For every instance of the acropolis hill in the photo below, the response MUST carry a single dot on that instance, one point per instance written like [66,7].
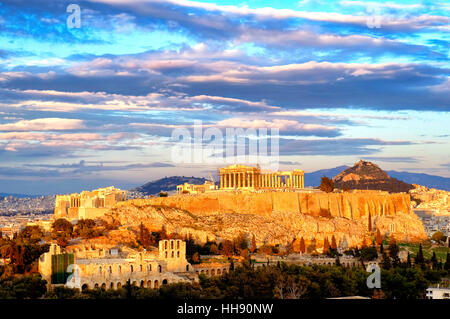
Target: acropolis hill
[276,208]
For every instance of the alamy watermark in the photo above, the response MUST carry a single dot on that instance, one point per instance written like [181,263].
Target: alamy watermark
[74,19]
[374,279]
[226,146]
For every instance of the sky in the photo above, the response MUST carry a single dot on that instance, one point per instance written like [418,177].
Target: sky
[97,105]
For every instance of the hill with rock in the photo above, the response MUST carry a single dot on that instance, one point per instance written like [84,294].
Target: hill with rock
[369,176]
[167,184]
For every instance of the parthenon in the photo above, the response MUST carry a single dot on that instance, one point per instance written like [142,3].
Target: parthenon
[247,177]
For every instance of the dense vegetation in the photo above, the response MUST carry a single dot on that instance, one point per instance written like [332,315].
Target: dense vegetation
[399,279]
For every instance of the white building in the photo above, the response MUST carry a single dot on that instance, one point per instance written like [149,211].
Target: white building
[438,293]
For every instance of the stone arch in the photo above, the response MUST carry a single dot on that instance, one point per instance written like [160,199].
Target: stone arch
[96,286]
[202,271]
[213,272]
[165,282]
[84,287]
[224,270]
[149,284]
[142,284]
[134,283]
[111,285]
[207,271]
[156,284]
[103,286]
[219,271]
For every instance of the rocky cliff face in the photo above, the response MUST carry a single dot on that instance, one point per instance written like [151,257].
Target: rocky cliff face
[366,175]
[276,218]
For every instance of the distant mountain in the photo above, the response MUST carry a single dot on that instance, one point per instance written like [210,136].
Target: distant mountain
[167,184]
[430,181]
[313,178]
[18,195]
[367,175]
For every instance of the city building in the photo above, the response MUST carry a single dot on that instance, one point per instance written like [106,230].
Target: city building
[89,267]
[88,205]
[438,293]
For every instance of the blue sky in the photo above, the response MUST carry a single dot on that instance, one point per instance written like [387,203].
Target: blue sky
[341,80]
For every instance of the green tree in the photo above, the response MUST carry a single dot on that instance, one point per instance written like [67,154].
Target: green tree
[408,261]
[253,249]
[438,236]
[447,262]
[326,184]
[434,261]
[326,246]
[378,238]
[393,252]
[333,243]
[213,249]
[227,248]
[386,261]
[419,257]
[302,246]
[63,225]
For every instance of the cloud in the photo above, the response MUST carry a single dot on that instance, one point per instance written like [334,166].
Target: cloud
[392,159]
[43,124]
[335,147]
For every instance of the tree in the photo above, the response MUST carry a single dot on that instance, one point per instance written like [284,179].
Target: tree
[408,261]
[447,262]
[419,257]
[326,184]
[63,225]
[30,235]
[393,252]
[438,236]
[378,238]
[326,246]
[386,261]
[196,258]
[333,243]
[163,233]
[213,249]
[338,261]
[227,248]
[302,246]
[253,249]
[145,238]
[434,261]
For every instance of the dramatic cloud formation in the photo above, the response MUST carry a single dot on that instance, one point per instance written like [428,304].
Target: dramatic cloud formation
[338,79]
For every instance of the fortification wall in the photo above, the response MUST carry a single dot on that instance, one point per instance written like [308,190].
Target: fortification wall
[348,205]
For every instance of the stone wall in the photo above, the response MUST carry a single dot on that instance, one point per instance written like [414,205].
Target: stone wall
[347,205]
